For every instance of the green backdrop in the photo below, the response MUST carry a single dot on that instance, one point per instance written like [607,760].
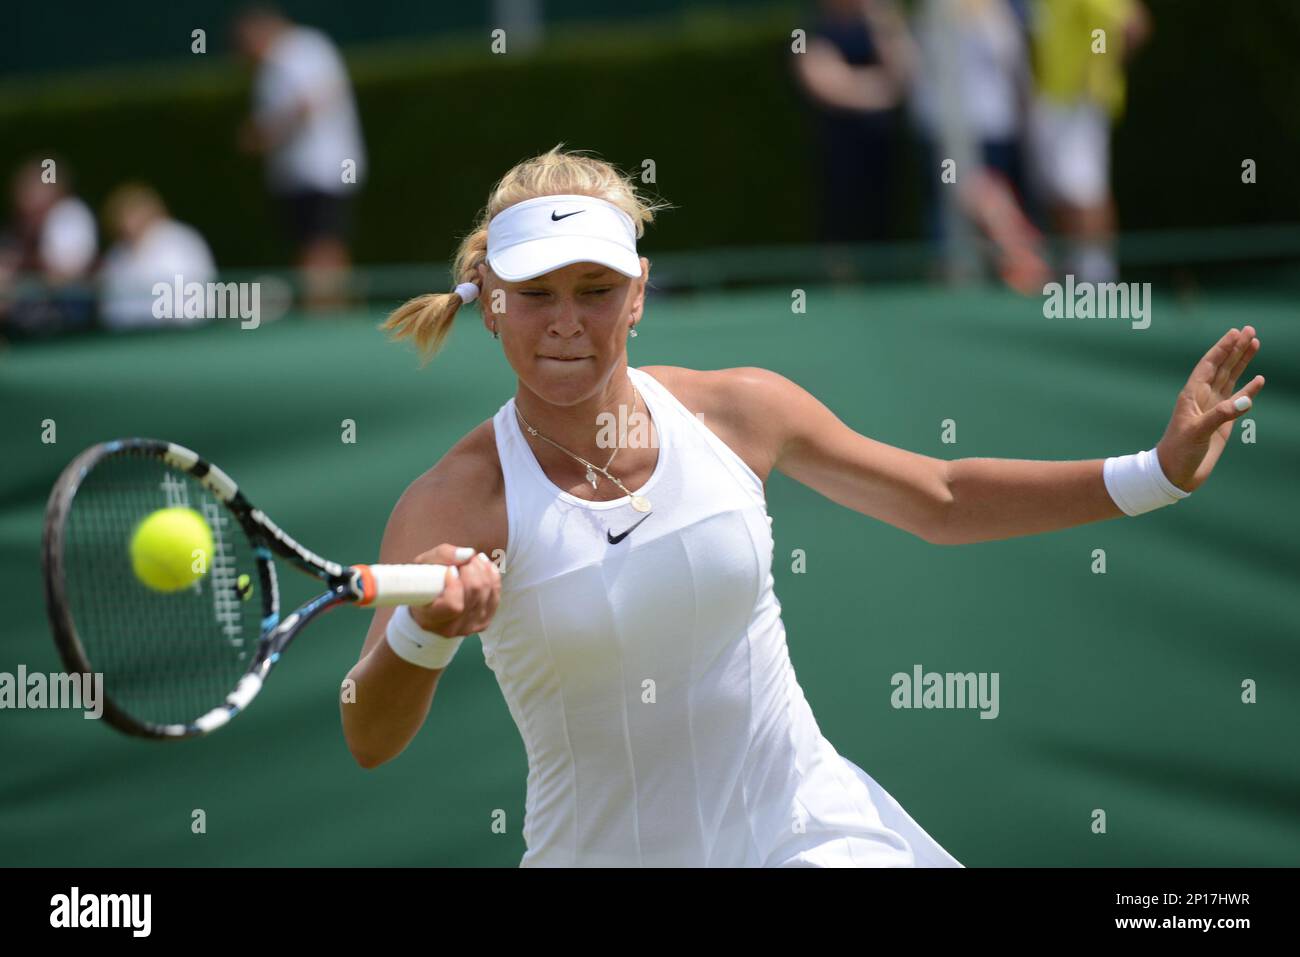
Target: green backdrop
[1118,691]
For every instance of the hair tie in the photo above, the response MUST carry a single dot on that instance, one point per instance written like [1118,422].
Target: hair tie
[467,291]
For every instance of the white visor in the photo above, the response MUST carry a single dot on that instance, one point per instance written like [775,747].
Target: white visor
[549,232]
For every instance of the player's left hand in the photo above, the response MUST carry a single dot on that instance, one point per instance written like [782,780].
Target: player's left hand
[1207,408]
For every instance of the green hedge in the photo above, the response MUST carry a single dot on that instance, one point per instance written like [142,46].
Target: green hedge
[713,107]
[710,100]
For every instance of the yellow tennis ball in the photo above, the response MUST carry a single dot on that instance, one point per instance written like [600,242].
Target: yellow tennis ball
[171,549]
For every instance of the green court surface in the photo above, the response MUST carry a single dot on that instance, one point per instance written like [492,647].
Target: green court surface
[1119,692]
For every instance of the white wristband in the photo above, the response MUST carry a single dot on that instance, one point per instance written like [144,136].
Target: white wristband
[412,643]
[1138,484]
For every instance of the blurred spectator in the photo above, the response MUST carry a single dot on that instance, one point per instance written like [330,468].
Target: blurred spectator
[46,253]
[1080,93]
[304,119]
[972,95]
[151,248]
[855,71]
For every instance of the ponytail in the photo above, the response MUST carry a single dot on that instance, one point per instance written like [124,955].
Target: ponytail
[426,320]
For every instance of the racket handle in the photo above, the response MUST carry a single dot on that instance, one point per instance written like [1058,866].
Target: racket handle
[385,585]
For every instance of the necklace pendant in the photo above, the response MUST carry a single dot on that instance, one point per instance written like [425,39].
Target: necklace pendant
[641,503]
[591,477]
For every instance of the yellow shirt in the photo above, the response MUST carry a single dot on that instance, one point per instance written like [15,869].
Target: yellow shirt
[1065,65]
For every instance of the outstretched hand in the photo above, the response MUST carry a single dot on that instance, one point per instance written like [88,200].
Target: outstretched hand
[1207,407]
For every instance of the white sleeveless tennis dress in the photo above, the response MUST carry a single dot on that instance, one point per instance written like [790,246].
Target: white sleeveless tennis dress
[651,682]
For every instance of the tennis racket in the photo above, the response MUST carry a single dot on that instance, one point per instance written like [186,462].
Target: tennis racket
[182,663]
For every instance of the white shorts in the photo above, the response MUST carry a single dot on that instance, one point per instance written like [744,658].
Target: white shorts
[1071,150]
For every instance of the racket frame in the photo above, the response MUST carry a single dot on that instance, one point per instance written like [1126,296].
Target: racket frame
[345,584]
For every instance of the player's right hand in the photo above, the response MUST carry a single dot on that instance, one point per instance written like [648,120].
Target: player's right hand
[469,598]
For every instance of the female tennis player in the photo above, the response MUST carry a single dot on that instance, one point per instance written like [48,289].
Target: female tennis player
[632,625]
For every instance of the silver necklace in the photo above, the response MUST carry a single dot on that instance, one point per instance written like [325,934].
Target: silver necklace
[639,502]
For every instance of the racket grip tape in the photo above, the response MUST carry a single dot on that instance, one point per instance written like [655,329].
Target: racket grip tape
[386,585]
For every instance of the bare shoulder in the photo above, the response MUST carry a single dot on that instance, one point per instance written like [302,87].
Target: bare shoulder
[460,499]
[745,406]
[722,386]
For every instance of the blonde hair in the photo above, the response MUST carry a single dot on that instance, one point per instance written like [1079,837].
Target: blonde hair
[427,319]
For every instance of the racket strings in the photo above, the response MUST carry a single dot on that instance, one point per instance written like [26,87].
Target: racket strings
[166,657]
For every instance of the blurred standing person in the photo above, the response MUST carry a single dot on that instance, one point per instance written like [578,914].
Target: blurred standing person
[151,248]
[304,119]
[1080,94]
[46,253]
[855,71]
[971,99]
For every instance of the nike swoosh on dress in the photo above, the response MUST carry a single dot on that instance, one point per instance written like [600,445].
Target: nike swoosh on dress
[615,539]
